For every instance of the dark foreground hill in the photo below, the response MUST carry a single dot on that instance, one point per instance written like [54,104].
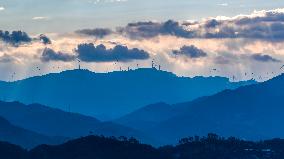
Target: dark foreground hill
[94,147]
[11,151]
[111,95]
[23,137]
[251,112]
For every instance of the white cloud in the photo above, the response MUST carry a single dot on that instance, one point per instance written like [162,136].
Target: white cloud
[40,18]
[223,4]
[2,8]
[107,1]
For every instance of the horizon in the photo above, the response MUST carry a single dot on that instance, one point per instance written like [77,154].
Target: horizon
[133,70]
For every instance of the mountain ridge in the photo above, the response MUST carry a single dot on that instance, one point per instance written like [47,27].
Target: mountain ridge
[55,122]
[23,137]
[88,93]
[250,112]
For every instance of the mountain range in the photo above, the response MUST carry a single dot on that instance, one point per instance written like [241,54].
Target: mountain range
[111,95]
[23,137]
[249,112]
[54,122]
[252,111]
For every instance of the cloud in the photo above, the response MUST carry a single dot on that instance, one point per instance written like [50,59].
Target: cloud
[212,23]
[97,32]
[228,42]
[142,30]
[264,58]
[92,53]
[44,39]
[51,55]
[223,4]
[15,38]
[262,25]
[225,58]
[40,18]
[2,8]
[107,1]
[190,52]
[7,59]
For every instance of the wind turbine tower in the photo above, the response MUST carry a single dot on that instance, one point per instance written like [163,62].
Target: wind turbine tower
[79,64]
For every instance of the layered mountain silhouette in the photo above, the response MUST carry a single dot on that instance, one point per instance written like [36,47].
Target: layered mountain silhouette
[147,117]
[55,122]
[111,95]
[23,137]
[249,112]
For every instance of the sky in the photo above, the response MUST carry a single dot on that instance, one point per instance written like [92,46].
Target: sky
[238,39]
[69,15]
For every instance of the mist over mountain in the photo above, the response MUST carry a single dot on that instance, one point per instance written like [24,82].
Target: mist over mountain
[54,122]
[25,138]
[250,112]
[147,117]
[111,95]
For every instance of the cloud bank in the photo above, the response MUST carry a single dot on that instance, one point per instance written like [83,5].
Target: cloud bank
[264,58]
[228,44]
[97,32]
[92,53]
[190,52]
[51,55]
[263,25]
[15,38]
[152,29]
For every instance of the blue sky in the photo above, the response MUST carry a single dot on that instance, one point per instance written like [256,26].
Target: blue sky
[69,15]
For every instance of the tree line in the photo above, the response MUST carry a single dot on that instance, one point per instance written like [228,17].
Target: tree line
[211,146]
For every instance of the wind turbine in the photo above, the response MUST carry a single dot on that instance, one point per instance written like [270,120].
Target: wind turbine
[79,64]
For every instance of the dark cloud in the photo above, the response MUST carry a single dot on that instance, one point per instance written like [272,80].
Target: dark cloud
[98,32]
[152,29]
[51,55]
[264,25]
[264,58]
[213,23]
[92,53]
[15,38]
[190,52]
[44,39]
